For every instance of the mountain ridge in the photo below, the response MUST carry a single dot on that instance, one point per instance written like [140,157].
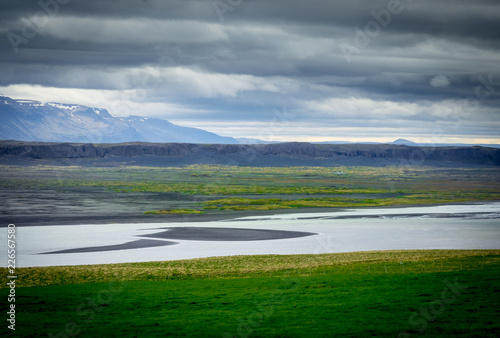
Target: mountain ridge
[279,154]
[29,120]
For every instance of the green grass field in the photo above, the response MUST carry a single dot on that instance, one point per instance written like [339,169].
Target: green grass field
[431,293]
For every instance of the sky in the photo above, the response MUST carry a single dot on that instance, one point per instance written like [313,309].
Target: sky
[283,70]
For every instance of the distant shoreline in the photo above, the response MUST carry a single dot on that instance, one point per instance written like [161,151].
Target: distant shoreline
[195,218]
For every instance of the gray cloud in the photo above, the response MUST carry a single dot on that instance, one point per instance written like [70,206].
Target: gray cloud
[178,60]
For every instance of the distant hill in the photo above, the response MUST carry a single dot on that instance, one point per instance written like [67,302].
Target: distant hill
[280,154]
[25,120]
[402,141]
[247,140]
[413,144]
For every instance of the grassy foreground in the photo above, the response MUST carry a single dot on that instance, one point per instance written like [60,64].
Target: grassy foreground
[391,293]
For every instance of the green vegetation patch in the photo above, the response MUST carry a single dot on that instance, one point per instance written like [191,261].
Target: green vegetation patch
[235,180]
[173,211]
[263,265]
[268,188]
[335,202]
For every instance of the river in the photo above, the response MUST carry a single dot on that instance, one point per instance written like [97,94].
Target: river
[464,226]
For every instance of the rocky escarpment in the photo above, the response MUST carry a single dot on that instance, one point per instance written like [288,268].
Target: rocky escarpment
[280,154]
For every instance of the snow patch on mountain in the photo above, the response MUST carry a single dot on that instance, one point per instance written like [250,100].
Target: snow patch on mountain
[27,120]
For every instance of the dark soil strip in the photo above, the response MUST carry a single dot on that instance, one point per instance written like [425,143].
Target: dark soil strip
[226,234]
[139,244]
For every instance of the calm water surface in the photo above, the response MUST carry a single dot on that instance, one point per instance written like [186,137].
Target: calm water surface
[475,226]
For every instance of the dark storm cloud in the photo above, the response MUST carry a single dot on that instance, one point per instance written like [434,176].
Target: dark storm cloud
[405,59]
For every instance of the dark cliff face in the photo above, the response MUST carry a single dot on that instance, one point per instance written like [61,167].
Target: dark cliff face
[281,154]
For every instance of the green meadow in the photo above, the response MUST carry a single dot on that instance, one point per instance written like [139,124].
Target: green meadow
[430,293]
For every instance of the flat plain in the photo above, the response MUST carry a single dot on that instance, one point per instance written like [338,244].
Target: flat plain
[88,195]
[388,293]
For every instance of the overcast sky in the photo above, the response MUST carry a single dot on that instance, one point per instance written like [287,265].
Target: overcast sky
[284,70]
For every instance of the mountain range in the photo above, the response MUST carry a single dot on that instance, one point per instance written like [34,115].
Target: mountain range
[26,120]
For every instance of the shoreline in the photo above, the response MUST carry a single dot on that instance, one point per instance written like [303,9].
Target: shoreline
[213,216]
